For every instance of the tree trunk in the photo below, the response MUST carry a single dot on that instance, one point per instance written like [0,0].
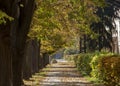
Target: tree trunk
[5,59]
[5,48]
[36,53]
[31,61]
[25,17]
[27,67]
[80,44]
[12,40]
[85,47]
[45,59]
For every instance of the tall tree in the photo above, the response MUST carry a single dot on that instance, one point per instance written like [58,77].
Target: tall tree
[84,13]
[106,26]
[69,15]
[50,23]
[13,36]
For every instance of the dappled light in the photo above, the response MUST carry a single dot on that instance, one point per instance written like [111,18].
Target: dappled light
[59,42]
[61,74]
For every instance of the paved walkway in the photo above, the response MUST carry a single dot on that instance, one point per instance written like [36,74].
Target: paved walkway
[62,73]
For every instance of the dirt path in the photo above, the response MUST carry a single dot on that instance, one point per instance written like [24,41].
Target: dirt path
[63,73]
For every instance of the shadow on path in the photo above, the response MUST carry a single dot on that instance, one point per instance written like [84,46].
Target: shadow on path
[62,73]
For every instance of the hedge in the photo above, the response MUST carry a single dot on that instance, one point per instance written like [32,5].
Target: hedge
[82,63]
[95,62]
[109,67]
[105,67]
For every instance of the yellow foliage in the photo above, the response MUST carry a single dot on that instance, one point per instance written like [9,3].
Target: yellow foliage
[110,66]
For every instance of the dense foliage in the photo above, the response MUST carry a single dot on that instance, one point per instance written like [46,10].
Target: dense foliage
[56,22]
[110,70]
[102,67]
[82,62]
[95,62]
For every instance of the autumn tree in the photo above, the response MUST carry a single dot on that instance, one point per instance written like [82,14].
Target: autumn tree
[54,24]
[68,16]
[50,24]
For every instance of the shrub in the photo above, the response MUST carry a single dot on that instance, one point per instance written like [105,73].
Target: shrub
[75,60]
[82,62]
[110,70]
[95,64]
[105,68]
[102,66]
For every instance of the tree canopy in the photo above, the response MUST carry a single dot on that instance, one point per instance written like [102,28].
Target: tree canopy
[56,21]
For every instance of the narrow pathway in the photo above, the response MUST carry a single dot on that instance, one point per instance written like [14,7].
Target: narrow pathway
[62,73]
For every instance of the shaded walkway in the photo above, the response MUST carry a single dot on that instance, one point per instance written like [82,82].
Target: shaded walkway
[62,73]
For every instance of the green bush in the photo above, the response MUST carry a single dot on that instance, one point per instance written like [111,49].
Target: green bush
[102,66]
[75,60]
[105,68]
[95,64]
[82,63]
[110,70]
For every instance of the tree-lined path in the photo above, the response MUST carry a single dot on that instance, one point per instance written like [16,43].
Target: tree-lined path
[62,73]
[31,31]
